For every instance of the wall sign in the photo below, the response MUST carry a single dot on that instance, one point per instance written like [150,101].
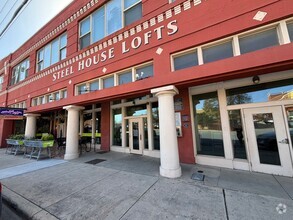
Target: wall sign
[11,112]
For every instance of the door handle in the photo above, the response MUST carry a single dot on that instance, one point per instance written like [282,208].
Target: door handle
[284,141]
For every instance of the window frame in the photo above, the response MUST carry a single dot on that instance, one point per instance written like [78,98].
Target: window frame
[12,78]
[42,50]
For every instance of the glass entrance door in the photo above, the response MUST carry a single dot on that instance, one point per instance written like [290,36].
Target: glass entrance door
[268,140]
[136,135]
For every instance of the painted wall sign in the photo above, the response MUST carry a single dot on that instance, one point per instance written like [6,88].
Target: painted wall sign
[102,56]
[11,112]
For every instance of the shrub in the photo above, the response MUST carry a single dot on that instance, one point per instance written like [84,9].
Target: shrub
[47,137]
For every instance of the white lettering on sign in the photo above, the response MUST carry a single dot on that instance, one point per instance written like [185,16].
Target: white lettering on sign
[61,74]
[157,33]
[138,41]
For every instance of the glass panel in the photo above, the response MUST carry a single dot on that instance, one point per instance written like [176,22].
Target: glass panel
[289,111]
[145,130]
[64,94]
[85,26]
[217,52]
[125,78]
[258,41]
[127,133]
[63,40]
[236,130]
[63,54]
[82,89]
[99,24]
[136,110]
[133,14]
[47,56]
[186,60]
[117,127]
[85,41]
[135,135]
[98,127]
[144,72]
[41,55]
[57,96]
[55,51]
[108,82]
[42,100]
[209,137]
[94,86]
[128,3]
[156,125]
[87,123]
[290,30]
[114,18]
[265,92]
[266,139]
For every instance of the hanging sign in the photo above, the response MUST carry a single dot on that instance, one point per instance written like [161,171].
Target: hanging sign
[11,112]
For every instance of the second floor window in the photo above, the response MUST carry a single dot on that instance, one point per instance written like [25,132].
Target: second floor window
[52,53]
[109,18]
[1,82]
[20,72]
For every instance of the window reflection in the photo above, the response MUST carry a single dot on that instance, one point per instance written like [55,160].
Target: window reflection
[209,138]
[156,126]
[117,127]
[289,112]
[265,92]
[237,137]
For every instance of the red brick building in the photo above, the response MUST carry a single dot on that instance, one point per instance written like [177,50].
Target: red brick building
[186,81]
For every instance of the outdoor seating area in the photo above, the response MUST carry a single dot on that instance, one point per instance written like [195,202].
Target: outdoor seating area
[30,148]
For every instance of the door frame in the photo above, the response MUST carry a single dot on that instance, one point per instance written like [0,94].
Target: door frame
[139,120]
[285,168]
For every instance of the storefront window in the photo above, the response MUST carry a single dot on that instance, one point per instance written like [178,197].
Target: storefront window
[117,127]
[87,123]
[156,126]
[137,110]
[237,137]
[265,92]
[145,130]
[208,130]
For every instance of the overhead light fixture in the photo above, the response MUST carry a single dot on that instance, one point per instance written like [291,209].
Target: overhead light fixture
[255,79]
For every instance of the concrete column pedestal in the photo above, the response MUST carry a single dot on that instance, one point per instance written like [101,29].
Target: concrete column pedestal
[31,125]
[71,151]
[169,155]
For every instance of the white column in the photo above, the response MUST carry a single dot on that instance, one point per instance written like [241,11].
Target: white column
[31,125]
[71,151]
[169,155]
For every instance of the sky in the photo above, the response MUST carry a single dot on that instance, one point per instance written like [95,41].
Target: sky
[34,15]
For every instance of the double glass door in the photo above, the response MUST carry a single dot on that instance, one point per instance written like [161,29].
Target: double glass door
[268,141]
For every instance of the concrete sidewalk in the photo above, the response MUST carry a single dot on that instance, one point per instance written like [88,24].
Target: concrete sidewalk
[123,186]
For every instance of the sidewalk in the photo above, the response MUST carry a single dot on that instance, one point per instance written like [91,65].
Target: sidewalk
[123,186]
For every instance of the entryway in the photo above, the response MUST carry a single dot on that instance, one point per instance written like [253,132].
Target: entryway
[268,141]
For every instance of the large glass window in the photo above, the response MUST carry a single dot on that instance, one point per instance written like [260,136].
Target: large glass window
[217,52]
[108,19]
[258,41]
[208,130]
[117,127]
[137,110]
[144,72]
[20,72]
[237,137]
[52,53]
[108,82]
[185,60]
[156,125]
[265,92]
[290,30]
[125,78]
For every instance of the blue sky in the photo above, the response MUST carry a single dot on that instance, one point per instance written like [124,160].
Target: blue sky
[31,18]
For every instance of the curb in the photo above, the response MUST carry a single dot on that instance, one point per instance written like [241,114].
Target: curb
[24,207]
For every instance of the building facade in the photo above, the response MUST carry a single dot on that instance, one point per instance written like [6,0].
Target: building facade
[186,81]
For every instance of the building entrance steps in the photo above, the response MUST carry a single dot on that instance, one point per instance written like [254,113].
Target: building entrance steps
[125,186]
